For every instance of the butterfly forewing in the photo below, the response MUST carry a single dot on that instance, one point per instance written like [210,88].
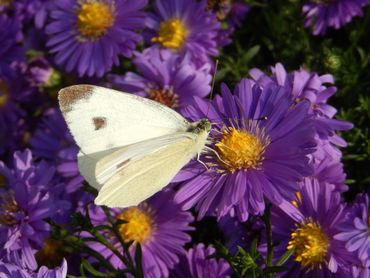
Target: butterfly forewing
[102,119]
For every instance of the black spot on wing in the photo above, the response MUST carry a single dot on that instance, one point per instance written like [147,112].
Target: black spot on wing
[99,122]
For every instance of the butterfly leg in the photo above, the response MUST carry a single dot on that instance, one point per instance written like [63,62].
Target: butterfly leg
[216,153]
[201,162]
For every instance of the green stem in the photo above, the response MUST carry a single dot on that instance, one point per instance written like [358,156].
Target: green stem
[270,246]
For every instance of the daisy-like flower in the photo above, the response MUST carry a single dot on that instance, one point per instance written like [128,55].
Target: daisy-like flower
[185,26]
[324,14]
[53,142]
[308,226]
[355,232]
[27,198]
[197,264]
[88,36]
[159,225]
[166,77]
[250,130]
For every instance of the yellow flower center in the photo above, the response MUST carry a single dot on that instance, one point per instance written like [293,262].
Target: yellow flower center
[5,2]
[297,202]
[51,254]
[310,244]
[139,226]
[3,93]
[3,181]
[240,149]
[8,207]
[172,34]
[94,19]
[164,96]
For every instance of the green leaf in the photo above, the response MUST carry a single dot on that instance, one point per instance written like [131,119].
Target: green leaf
[86,265]
[285,257]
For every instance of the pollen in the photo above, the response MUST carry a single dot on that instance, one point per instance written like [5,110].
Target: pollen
[3,94]
[172,34]
[139,226]
[94,19]
[8,209]
[298,201]
[239,149]
[51,254]
[310,244]
[164,96]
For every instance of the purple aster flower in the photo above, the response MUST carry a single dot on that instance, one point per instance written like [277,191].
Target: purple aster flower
[229,12]
[308,226]
[166,77]
[29,197]
[14,271]
[250,130]
[185,26]
[53,142]
[360,271]
[26,11]
[9,50]
[88,36]
[197,264]
[12,124]
[58,272]
[304,85]
[237,13]
[159,225]
[325,14]
[355,232]
[37,72]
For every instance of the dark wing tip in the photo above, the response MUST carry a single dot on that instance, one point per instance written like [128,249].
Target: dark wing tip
[69,95]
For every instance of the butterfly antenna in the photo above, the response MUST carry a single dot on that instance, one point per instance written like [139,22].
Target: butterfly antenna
[212,86]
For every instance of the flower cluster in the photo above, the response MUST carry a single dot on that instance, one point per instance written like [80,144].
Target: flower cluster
[267,195]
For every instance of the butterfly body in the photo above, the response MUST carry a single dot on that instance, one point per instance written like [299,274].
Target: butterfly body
[130,147]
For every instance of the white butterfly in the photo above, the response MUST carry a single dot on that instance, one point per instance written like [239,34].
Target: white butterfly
[130,147]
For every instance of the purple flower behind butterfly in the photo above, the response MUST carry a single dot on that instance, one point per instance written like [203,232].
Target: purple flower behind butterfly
[316,89]
[250,128]
[185,26]
[53,142]
[15,271]
[10,51]
[88,36]
[30,195]
[325,14]
[165,77]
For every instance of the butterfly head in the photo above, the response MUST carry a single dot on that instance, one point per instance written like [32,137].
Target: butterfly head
[203,125]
